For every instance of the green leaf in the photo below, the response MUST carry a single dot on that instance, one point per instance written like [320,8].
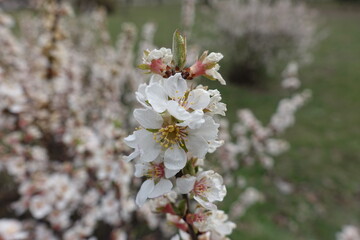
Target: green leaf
[182,207]
[189,168]
[179,49]
[144,67]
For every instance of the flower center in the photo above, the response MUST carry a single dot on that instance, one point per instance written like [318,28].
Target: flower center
[200,187]
[156,171]
[171,134]
[196,217]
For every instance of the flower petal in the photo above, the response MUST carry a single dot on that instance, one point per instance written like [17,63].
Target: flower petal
[146,188]
[148,118]
[185,184]
[197,146]
[213,57]
[141,169]
[149,149]
[198,99]
[132,155]
[175,158]
[175,86]
[195,121]
[156,79]
[213,145]
[141,96]
[208,130]
[170,173]
[162,187]
[157,97]
[215,74]
[177,111]
[205,204]
[131,140]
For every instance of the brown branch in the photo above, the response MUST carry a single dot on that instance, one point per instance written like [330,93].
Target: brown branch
[191,229]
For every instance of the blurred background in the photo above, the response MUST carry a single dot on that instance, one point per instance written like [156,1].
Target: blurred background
[311,190]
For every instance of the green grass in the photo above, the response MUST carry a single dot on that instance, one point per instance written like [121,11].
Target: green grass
[324,160]
[166,17]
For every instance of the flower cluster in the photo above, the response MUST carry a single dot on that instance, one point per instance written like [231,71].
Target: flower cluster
[177,129]
[160,62]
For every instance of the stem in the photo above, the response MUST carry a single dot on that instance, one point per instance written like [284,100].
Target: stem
[50,71]
[191,229]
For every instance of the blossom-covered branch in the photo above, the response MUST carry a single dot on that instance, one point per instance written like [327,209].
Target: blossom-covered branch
[177,129]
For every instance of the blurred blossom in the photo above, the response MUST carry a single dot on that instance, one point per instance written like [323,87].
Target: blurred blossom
[11,229]
[264,32]
[348,232]
[63,122]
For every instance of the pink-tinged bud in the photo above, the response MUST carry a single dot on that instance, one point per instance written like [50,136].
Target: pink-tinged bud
[168,209]
[157,66]
[207,66]
[177,222]
[197,69]
[156,61]
[182,226]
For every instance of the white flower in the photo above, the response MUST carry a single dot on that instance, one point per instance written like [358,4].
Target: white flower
[166,135]
[119,234]
[39,207]
[215,106]
[59,219]
[182,103]
[291,70]
[276,146]
[11,229]
[174,118]
[163,53]
[181,236]
[206,188]
[291,83]
[83,138]
[348,232]
[215,221]
[157,60]
[251,196]
[109,208]
[164,203]
[156,185]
